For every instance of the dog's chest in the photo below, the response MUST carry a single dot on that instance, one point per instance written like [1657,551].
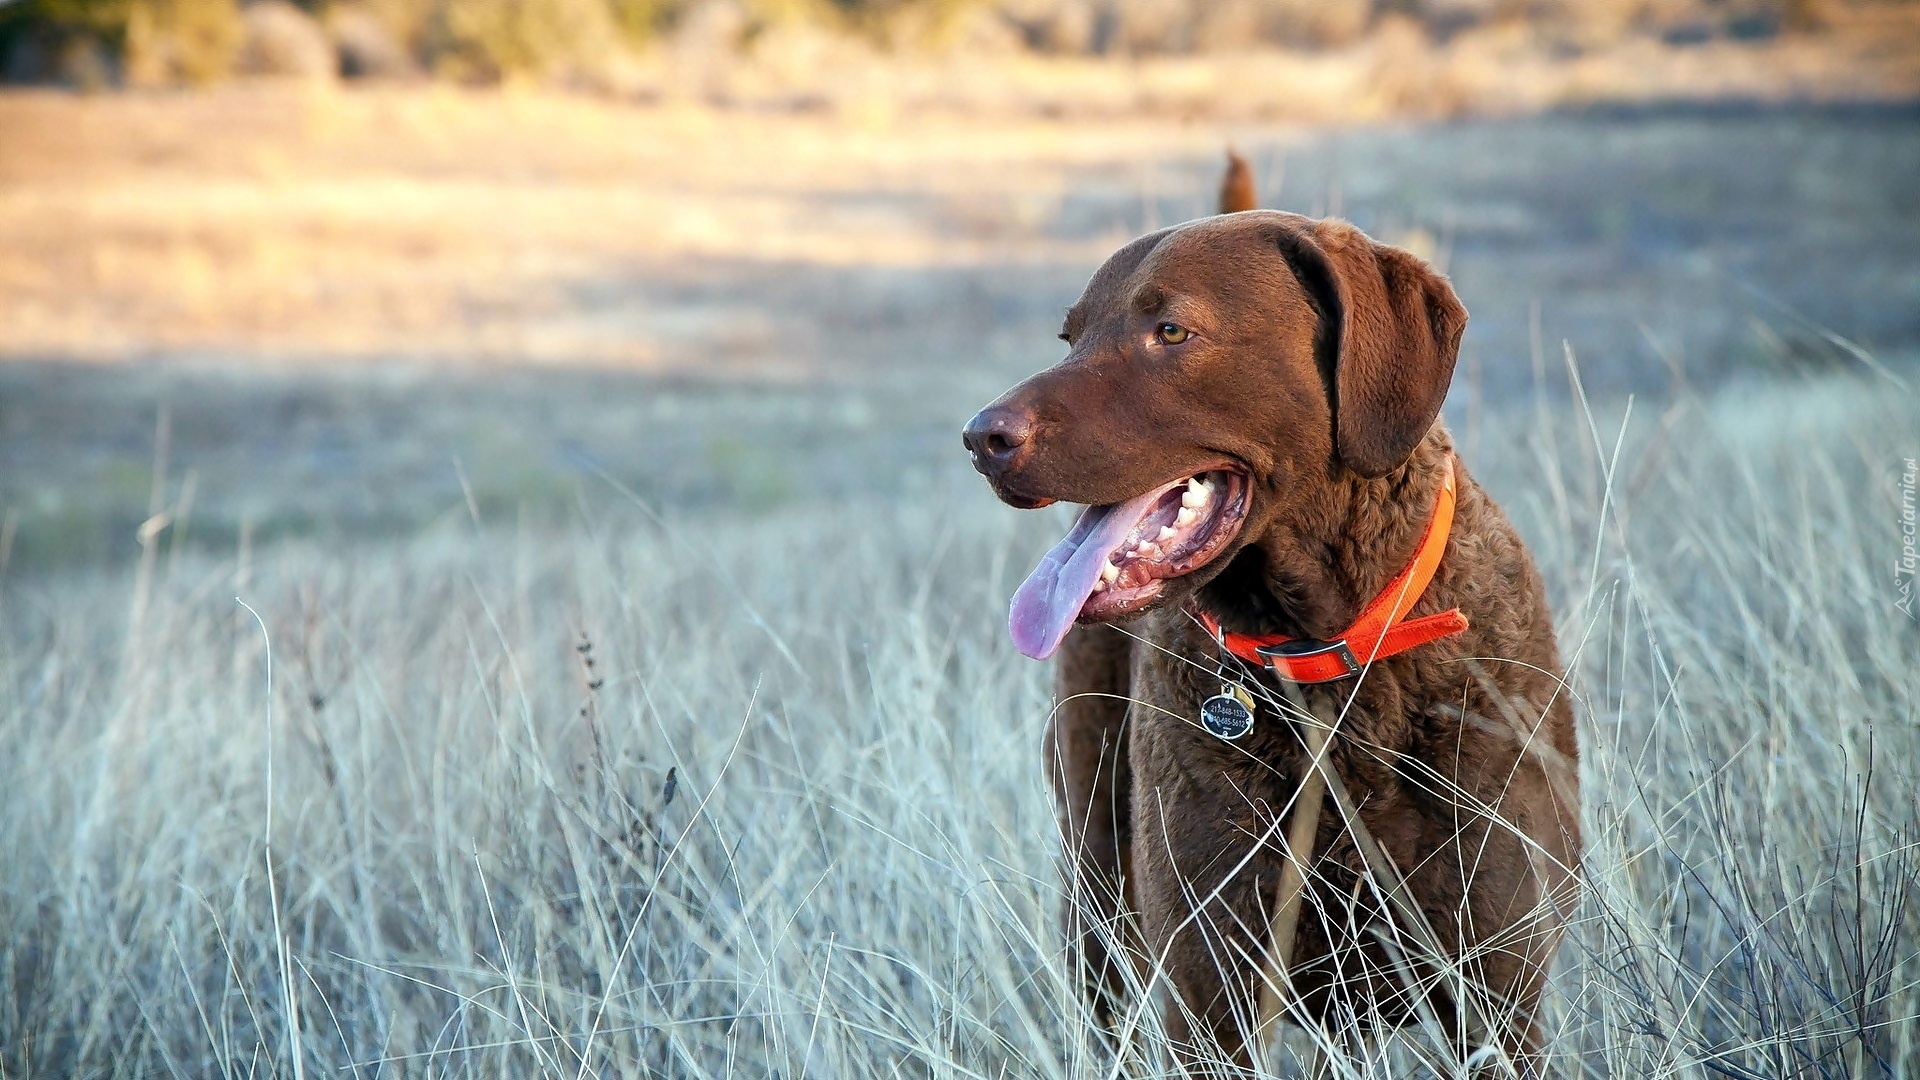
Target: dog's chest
[1203,713]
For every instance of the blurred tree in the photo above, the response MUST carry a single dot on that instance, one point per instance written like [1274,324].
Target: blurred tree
[105,17]
[151,42]
[376,40]
[154,41]
[282,40]
[640,21]
[889,22]
[181,41]
[494,40]
[915,21]
[64,41]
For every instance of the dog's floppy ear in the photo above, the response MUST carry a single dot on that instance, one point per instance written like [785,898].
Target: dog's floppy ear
[1390,331]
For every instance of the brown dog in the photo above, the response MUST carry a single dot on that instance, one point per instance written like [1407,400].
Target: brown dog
[1248,409]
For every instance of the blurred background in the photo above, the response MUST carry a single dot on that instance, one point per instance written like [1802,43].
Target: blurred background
[570,391]
[363,263]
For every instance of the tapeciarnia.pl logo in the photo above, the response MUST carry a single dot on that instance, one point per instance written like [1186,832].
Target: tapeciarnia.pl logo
[1903,567]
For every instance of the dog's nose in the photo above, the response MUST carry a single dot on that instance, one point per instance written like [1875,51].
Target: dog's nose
[996,435]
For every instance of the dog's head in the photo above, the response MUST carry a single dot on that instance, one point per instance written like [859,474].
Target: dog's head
[1219,374]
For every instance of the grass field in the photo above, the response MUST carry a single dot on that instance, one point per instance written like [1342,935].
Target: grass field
[790,819]
[403,708]
[518,292]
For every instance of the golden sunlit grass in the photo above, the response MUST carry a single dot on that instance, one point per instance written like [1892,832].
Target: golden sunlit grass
[445,224]
[312,220]
[706,795]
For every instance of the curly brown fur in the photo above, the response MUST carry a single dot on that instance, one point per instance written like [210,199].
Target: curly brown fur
[1317,363]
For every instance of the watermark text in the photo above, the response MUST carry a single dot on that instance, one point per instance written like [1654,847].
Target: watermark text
[1903,567]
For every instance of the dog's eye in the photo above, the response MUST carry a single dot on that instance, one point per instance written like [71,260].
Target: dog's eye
[1172,333]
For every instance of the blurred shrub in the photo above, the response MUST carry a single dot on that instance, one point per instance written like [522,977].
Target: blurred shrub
[1147,27]
[491,40]
[1302,23]
[369,46]
[640,20]
[91,42]
[181,41]
[283,40]
[145,42]
[77,42]
[897,21]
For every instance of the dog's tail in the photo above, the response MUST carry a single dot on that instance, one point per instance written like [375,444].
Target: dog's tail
[1236,188]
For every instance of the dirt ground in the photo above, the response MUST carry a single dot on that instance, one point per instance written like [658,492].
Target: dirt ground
[371,310]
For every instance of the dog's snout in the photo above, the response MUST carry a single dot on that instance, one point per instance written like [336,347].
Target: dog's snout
[996,437]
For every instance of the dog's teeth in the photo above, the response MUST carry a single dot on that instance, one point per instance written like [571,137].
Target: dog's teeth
[1167,532]
[1109,571]
[1149,549]
[1100,586]
[1194,497]
[1187,516]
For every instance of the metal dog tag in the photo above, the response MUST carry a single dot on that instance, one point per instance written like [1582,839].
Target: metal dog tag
[1228,714]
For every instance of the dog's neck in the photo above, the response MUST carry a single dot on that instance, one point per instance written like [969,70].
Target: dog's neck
[1322,560]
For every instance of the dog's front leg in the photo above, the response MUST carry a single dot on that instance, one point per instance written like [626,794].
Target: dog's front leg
[1088,766]
[1206,856]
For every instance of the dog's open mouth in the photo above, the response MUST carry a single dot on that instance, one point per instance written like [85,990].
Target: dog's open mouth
[1118,557]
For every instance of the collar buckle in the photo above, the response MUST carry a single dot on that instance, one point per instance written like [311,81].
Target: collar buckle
[1283,657]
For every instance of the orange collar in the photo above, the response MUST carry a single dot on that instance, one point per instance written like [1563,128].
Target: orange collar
[1376,634]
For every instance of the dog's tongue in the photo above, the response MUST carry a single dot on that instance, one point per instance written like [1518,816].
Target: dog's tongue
[1050,599]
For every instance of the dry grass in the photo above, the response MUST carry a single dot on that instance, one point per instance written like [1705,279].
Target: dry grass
[300,226]
[303,221]
[825,302]
[790,819]
[439,223]
[707,795]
